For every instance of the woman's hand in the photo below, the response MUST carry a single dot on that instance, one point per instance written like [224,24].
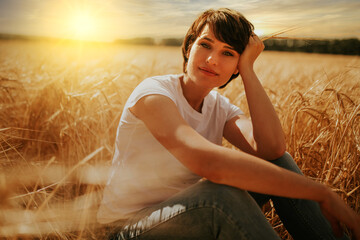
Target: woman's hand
[337,212]
[250,54]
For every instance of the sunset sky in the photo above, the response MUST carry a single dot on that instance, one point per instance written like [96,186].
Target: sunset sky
[106,20]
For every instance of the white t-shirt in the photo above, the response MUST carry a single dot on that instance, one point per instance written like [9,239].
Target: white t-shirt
[143,172]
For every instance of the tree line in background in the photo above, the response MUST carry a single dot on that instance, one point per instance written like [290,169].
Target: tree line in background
[349,46]
[334,46]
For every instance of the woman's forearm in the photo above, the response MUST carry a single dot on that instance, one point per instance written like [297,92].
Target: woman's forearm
[267,130]
[244,171]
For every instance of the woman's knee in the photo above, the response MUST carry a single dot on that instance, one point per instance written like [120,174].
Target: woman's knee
[235,210]
[286,161]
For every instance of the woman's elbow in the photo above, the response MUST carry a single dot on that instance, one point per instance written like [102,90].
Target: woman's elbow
[276,151]
[272,149]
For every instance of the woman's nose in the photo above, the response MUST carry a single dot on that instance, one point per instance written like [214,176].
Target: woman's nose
[212,59]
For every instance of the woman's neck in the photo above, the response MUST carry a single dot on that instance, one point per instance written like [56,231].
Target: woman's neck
[193,93]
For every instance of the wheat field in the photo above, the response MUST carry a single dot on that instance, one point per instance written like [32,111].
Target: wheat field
[60,104]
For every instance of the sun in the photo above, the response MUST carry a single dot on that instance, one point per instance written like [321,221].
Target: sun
[259,32]
[83,25]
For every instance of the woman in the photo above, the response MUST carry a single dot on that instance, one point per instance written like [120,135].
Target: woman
[170,135]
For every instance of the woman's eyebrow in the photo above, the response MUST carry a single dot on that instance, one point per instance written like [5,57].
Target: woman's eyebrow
[209,39]
[229,47]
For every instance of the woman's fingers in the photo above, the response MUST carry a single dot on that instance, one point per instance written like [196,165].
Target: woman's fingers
[356,229]
[255,44]
[335,225]
[257,40]
[337,213]
[251,52]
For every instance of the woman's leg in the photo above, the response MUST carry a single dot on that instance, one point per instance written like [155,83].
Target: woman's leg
[302,218]
[203,211]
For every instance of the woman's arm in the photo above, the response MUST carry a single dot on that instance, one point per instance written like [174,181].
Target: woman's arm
[235,168]
[263,135]
[216,163]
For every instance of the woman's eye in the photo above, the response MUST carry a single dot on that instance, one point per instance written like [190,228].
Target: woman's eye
[205,45]
[228,53]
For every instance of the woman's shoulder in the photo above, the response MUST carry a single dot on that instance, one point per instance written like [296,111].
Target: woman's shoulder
[170,78]
[162,82]
[164,85]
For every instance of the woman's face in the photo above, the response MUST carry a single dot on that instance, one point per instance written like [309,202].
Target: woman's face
[211,62]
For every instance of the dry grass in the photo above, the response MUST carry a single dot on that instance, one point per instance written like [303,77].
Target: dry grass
[60,106]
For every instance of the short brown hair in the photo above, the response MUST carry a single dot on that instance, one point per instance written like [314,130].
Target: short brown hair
[228,25]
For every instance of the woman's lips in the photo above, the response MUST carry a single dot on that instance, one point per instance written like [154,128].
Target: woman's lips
[208,71]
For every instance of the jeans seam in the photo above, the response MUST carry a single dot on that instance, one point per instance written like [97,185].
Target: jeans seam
[213,223]
[229,219]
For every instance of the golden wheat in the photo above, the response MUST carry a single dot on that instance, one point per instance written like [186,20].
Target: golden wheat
[61,103]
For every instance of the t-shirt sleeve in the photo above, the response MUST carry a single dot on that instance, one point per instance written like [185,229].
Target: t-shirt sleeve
[230,109]
[233,111]
[150,86]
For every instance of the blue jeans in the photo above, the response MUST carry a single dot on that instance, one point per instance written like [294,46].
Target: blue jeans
[213,211]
